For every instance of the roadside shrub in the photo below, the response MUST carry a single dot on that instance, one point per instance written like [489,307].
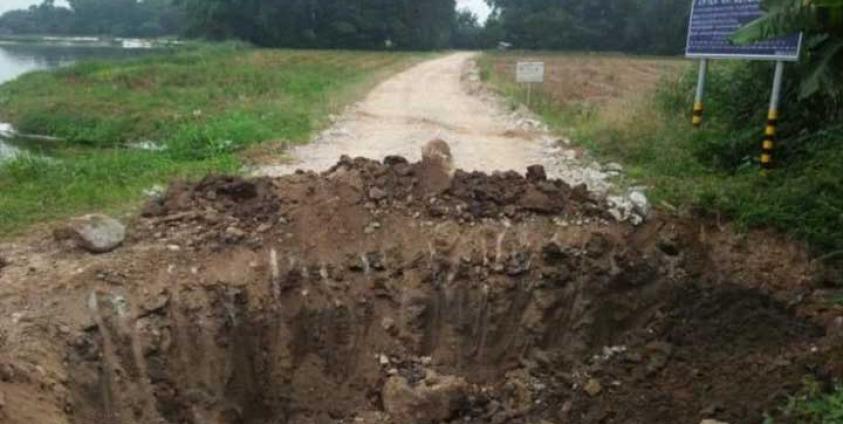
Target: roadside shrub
[737,99]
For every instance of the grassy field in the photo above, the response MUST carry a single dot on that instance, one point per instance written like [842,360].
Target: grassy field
[204,106]
[636,111]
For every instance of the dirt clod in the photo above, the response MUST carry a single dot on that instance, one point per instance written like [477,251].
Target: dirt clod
[432,400]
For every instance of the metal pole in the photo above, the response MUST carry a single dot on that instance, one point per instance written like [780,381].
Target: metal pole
[529,93]
[772,118]
[697,118]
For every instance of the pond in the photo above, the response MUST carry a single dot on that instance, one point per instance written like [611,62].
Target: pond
[18,58]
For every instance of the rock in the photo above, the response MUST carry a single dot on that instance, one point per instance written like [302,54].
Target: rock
[3,262]
[95,233]
[536,173]
[712,422]
[613,167]
[434,399]
[640,204]
[593,387]
[377,194]
[389,326]
[234,234]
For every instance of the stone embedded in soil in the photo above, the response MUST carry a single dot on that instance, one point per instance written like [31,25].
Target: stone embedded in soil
[432,400]
[713,422]
[95,233]
[593,387]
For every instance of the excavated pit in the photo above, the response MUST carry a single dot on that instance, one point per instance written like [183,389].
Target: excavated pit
[396,293]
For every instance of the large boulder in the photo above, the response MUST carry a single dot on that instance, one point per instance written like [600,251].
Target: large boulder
[432,400]
[95,233]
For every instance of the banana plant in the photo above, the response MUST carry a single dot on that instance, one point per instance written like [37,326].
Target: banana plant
[822,23]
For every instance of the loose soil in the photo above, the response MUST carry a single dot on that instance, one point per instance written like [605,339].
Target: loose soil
[395,292]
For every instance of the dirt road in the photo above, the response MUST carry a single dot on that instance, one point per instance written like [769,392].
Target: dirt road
[440,99]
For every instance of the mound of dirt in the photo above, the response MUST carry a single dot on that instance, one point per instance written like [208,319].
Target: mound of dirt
[395,292]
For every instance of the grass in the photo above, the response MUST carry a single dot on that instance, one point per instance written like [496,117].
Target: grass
[643,122]
[813,406]
[204,105]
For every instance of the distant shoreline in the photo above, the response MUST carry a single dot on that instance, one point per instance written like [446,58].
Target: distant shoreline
[91,41]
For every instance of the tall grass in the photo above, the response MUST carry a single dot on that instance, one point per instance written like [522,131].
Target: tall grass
[202,105]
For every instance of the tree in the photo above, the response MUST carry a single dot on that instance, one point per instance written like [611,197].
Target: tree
[622,25]
[371,24]
[135,18]
[822,23]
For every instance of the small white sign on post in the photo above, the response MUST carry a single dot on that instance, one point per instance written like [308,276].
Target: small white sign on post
[530,72]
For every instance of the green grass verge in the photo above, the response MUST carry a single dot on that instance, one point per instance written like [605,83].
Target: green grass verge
[812,406]
[204,104]
[712,171]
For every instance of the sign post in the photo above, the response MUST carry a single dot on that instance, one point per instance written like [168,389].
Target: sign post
[529,73]
[713,22]
[696,120]
[772,118]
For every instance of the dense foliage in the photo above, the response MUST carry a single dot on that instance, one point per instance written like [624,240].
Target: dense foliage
[822,23]
[649,26]
[373,24]
[147,18]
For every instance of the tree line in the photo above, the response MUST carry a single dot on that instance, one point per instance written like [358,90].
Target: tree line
[122,18]
[373,24]
[651,26]
[647,26]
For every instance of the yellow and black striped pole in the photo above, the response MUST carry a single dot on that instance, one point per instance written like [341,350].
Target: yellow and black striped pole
[769,145]
[697,118]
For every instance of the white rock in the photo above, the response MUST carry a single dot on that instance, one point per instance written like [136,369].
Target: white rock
[713,422]
[613,167]
[640,203]
[96,233]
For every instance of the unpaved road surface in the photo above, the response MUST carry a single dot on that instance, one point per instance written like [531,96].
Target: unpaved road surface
[441,98]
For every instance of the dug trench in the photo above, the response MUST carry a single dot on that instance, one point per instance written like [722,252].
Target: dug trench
[402,293]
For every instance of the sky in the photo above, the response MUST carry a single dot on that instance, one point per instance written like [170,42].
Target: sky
[7,5]
[477,6]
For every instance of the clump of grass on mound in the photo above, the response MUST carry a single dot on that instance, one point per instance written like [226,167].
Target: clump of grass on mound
[202,104]
[713,170]
[813,405]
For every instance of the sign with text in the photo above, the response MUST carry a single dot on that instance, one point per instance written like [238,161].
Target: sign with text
[529,72]
[713,22]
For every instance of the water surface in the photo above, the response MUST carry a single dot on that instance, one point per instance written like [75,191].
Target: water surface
[17,59]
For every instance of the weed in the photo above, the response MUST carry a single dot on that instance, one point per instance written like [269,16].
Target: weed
[202,104]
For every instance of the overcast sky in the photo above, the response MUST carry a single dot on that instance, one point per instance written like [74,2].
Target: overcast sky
[6,5]
[477,6]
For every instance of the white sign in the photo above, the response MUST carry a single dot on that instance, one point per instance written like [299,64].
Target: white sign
[530,72]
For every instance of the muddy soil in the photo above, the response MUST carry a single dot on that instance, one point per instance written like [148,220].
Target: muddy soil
[395,292]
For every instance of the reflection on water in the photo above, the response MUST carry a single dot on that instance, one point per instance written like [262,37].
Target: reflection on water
[18,59]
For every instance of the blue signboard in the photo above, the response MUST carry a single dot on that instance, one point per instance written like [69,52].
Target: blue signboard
[713,22]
